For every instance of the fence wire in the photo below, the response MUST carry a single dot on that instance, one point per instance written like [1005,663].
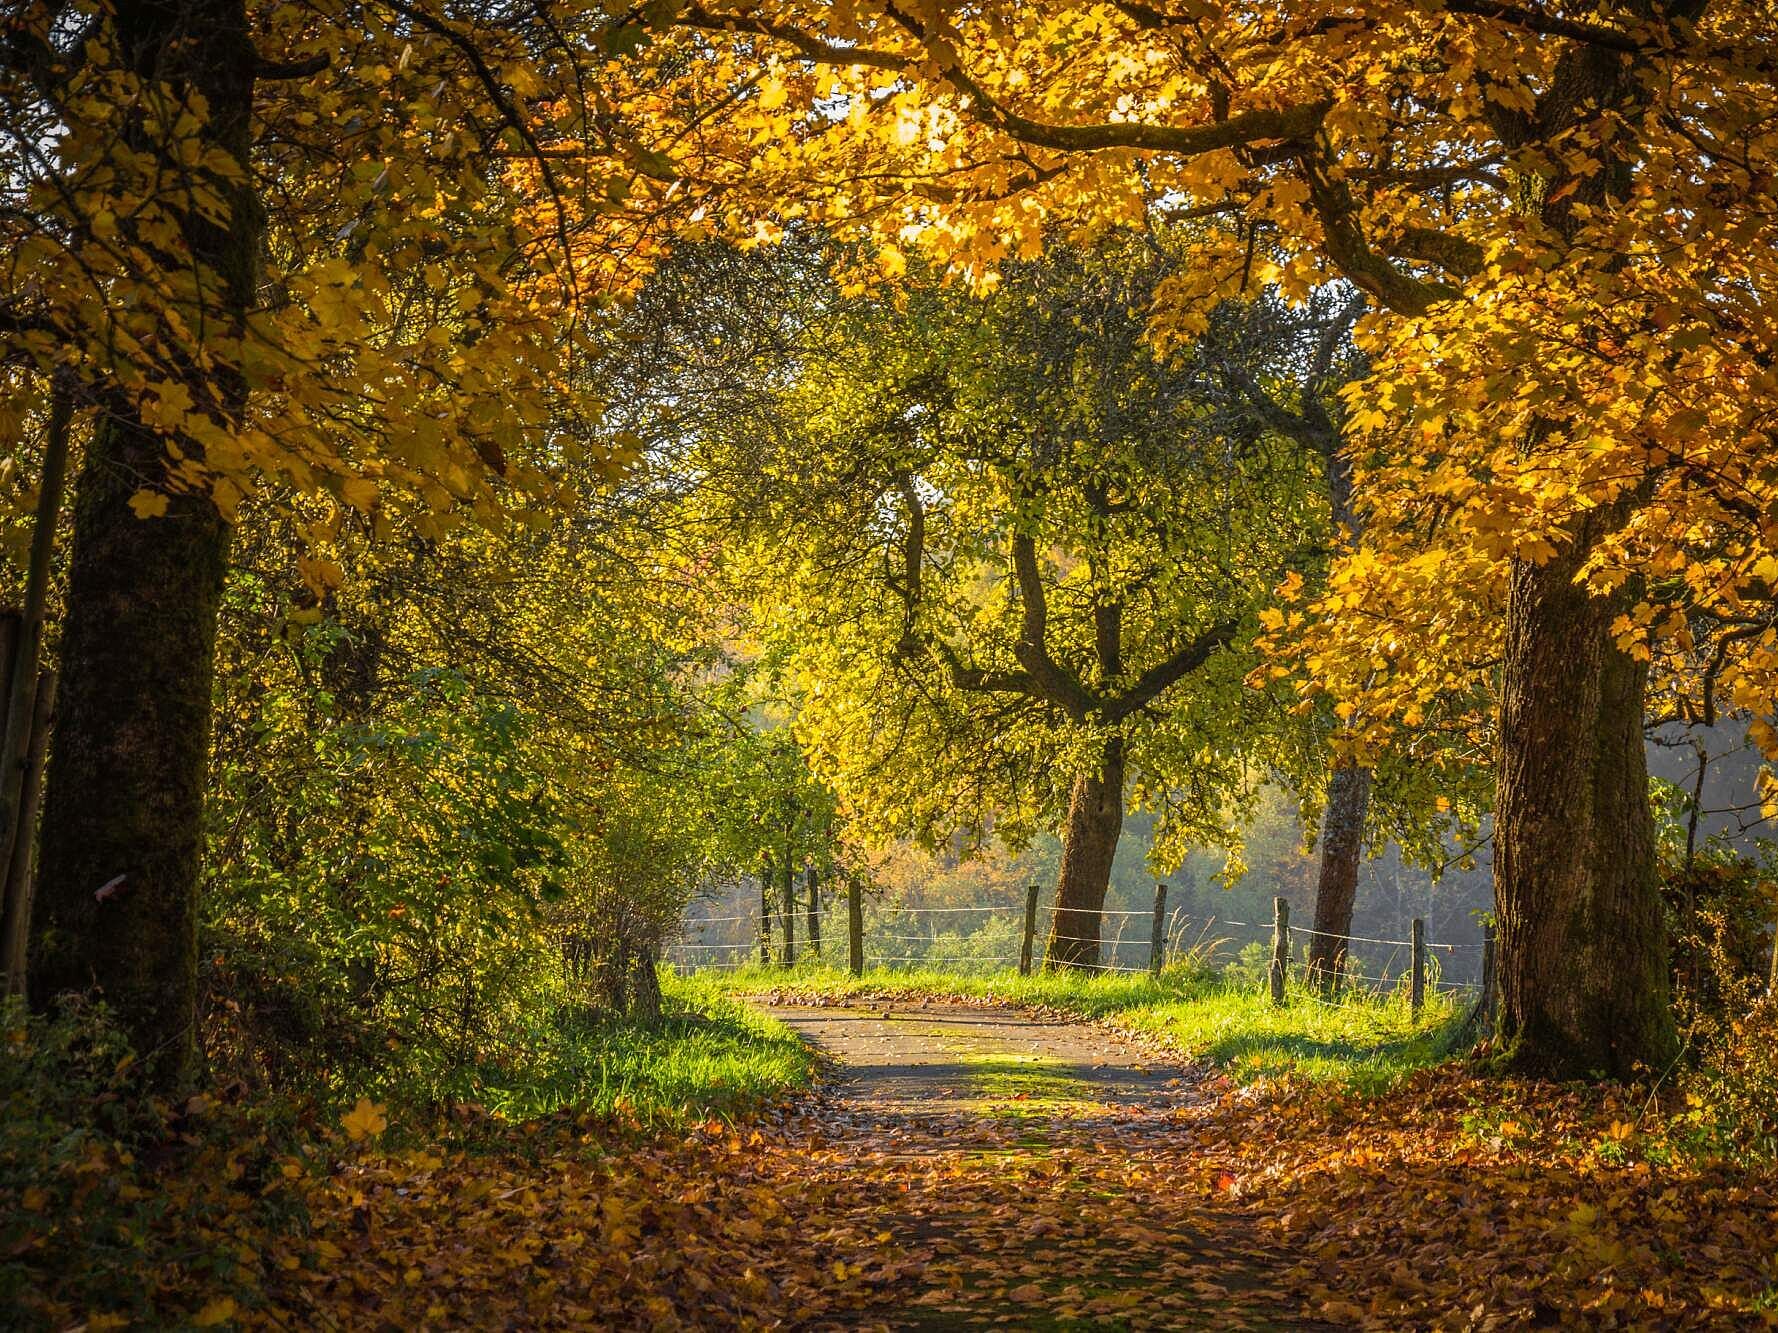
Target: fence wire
[1181,934]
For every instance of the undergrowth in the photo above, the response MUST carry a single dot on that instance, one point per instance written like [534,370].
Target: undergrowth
[119,1209]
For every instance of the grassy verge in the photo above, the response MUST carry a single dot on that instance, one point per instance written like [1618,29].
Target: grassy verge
[1366,1042]
[709,1057]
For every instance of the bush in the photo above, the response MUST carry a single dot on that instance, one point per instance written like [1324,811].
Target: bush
[112,1205]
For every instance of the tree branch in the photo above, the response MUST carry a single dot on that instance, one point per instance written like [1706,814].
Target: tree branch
[1151,683]
[1347,247]
[1548,25]
[1053,683]
[1429,245]
[971,679]
[268,70]
[808,46]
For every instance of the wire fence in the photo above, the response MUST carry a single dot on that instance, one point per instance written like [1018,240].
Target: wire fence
[996,936]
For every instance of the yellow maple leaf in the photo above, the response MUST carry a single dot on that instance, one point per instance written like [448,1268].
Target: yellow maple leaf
[148,504]
[365,1119]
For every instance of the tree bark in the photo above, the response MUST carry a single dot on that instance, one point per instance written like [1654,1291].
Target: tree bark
[123,806]
[645,987]
[1342,847]
[1584,986]
[1089,843]
[814,912]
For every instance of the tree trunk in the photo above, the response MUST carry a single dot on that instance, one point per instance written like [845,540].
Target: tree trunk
[1583,964]
[21,866]
[1342,847]
[1089,842]
[123,806]
[645,987]
[787,902]
[814,912]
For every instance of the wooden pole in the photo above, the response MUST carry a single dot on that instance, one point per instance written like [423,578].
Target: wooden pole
[1157,939]
[765,913]
[787,917]
[21,874]
[23,685]
[1417,987]
[1029,942]
[855,924]
[814,911]
[1280,947]
[1489,981]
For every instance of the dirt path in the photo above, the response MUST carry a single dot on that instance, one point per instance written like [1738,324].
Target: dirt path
[948,1059]
[1033,1174]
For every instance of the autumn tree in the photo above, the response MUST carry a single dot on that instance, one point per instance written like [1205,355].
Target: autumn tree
[1285,366]
[1562,215]
[1023,547]
[339,254]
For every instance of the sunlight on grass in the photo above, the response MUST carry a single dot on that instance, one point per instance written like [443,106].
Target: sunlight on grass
[710,1056]
[1367,1041]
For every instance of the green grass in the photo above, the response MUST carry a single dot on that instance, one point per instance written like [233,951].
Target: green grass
[1366,1042]
[709,1057]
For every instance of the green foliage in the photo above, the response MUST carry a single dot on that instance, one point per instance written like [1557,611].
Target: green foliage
[383,921]
[935,467]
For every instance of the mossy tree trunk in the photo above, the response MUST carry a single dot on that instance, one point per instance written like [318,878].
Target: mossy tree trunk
[1584,986]
[123,805]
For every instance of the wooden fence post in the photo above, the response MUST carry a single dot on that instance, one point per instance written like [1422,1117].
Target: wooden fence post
[1157,940]
[1280,947]
[1029,943]
[788,914]
[1417,987]
[21,873]
[855,924]
[1490,980]
[765,913]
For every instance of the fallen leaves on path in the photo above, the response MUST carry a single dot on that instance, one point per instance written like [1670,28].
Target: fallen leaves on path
[1450,1203]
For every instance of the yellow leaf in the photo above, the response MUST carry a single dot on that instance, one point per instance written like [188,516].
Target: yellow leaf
[218,1311]
[148,504]
[365,1119]
[360,493]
